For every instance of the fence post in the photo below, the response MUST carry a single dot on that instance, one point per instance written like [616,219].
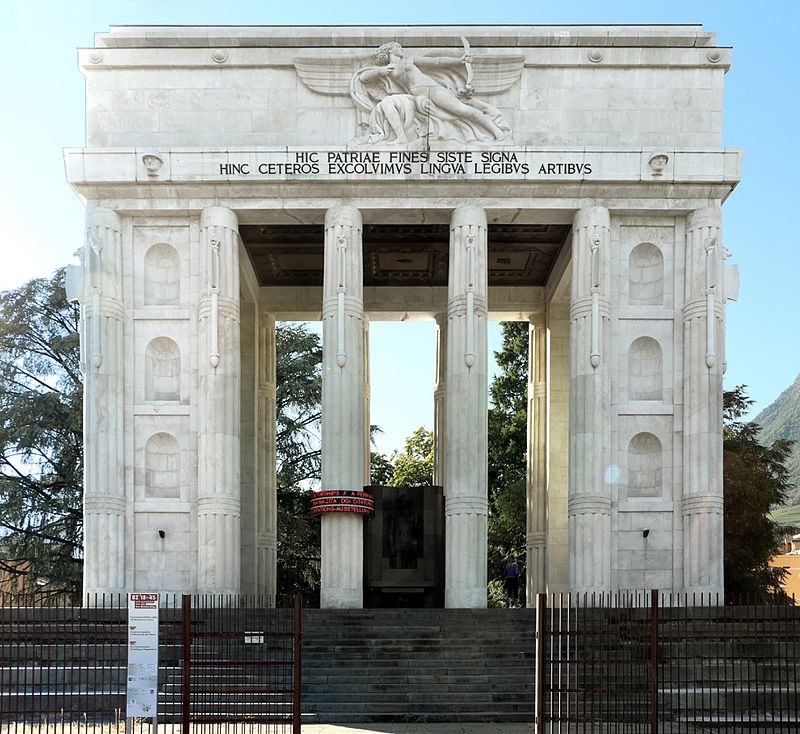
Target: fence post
[186,617]
[297,639]
[654,661]
[541,611]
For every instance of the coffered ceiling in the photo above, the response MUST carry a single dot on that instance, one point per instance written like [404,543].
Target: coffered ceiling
[397,255]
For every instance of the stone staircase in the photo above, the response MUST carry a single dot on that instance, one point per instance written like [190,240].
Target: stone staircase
[418,665]
[733,671]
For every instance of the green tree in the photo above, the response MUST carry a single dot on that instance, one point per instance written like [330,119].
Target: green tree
[413,467]
[381,468]
[41,441]
[508,431]
[755,479]
[298,399]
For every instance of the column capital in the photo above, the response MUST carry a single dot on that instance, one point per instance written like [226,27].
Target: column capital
[710,216]
[100,216]
[346,216]
[592,216]
[537,317]
[219,216]
[466,215]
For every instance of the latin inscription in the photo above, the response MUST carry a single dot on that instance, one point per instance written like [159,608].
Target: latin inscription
[404,164]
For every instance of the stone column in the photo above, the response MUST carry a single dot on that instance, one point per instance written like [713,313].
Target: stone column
[266,480]
[589,404]
[103,365]
[701,505]
[218,490]
[342,405]
[465,437]
[439,400]
[537,458]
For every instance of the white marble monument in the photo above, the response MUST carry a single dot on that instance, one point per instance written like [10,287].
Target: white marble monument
[570,177]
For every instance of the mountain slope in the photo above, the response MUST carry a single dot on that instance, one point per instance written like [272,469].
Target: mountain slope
[781,419]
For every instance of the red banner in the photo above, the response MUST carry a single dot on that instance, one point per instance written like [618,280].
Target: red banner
[342,500]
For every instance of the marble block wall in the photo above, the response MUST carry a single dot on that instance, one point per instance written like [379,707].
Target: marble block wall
[577,87]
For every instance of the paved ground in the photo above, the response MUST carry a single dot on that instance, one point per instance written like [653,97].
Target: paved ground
[417,728]
[663,728]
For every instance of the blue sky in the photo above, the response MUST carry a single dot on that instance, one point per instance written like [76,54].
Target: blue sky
[41,220]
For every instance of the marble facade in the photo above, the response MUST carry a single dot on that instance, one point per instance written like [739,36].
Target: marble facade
[571,177]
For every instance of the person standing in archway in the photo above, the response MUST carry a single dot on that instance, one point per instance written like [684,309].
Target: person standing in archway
[511,581]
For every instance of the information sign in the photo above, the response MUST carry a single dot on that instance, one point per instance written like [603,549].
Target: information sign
[142,679]
[342,500]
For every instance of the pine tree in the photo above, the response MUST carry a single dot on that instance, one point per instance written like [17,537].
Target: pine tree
[755,478]
[41,441]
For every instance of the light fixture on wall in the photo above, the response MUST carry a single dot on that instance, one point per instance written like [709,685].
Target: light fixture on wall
[645,532]
[161,534]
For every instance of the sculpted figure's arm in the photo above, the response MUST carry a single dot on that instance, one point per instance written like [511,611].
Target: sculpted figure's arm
[442,62]
[373,75]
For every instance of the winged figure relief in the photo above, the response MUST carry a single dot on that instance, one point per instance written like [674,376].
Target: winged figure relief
[402,98]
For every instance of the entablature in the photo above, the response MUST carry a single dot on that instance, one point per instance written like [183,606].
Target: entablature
[303,178]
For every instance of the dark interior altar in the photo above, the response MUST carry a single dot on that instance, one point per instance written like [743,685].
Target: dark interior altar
[404,548]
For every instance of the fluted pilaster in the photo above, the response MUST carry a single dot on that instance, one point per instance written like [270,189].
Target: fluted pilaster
[536,578]
[465,428]
[343,405]
[103,365]
[702,505]
[219,496]
[266,482]
[589,505]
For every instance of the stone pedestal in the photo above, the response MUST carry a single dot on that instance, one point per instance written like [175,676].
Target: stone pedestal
[590,404]
[536,579]
[702,504]
[343,405]
[266,483]
[466,412]
[218,492]
[103,365]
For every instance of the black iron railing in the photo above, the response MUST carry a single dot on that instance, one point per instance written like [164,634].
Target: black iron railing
[650,662]
[222,660]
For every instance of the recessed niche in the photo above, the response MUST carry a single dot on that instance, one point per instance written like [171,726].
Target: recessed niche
[646,273]
[645,466]
[162,276]
[162,467]
[162,371]
[645,370]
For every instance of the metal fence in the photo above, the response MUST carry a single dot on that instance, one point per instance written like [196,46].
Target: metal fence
[232,661]
[666,663]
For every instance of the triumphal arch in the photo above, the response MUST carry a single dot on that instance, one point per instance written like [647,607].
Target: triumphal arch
[571,177]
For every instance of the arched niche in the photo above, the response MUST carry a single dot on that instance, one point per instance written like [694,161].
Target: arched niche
[162,467]
[162,276]
[645,370]
[646,273]
[162,370]
[645,466]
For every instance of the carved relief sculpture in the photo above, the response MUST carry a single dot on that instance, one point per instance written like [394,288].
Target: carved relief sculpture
[429,96]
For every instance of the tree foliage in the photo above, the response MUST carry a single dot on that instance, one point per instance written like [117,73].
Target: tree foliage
[41,441]
[381,469]
[298,400]
[755,479]
[413,467]
[508,430]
